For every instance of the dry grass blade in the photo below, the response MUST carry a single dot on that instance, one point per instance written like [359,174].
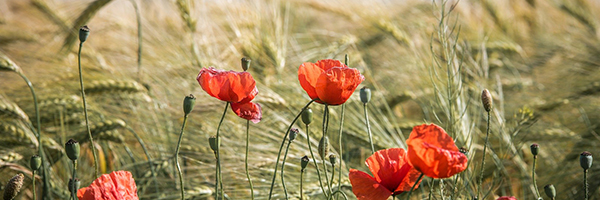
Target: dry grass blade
[44,8]
[391,29]
[8,65]
[85,16]
[580,13]
[12,110]
[101,127]
[110,86]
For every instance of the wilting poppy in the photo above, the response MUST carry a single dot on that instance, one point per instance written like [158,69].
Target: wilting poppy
[250,111]
[116,185]
[392,175]
[329,81]
[433,152]
[506,198]
[230,86]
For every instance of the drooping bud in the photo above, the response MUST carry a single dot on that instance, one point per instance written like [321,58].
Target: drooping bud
[307,116]
[585,160]
[72,149]
[293,134]
[188,104]
[550,191]
[365,94]
[35,162]
[74,185]
[84,32]
[246,63]
[304,162]
[13,186]
[535,149]
[214,143]
[333,159]
[323,147]
[486,99]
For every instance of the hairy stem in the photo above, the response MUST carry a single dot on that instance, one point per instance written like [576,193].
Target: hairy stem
[314,160]
[483,156]
[246,161]
[87,121]
[182,188]
[368,127]
[283,166]
[219,180]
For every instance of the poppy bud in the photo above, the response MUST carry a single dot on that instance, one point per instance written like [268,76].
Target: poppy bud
[188,104]
[72,149]
[84,32]
[365,94]
[214,143]
[550,191]
[307,116]
[35,162]
[74,185]
[246,63]
[486,99]
[535,149]
[293,134]
[585,160]
[333,159]
[304,162]
[13,186]
[323,147]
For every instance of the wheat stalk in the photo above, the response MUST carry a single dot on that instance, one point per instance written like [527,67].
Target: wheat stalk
[83,18]
[111,86]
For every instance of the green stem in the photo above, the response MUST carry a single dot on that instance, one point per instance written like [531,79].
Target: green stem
[314,160]
[413,187]
[537,192]
[301,181]
[281,147]
[283,166]
[87,121]
[343,194]
[325,127]
[182,188]
[368,128]
[218,155]
[139,29]
[483,156]
[585,184]
[340,145]
[73,189]
[33,184]
[247,172]
[148,157]
[332,176]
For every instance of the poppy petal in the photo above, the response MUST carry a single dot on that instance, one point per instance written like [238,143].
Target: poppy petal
[433,152]
[366,187]
[409,180]
[308,73]
[250,111]
[337,84]
[387,167]
[228,86]
[116,185]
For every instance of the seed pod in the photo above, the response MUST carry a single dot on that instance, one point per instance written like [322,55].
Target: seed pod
[72,149]
[486,99]
[293,134]
[333,159]
[585,160]
[307,116]
[84,32]
[188,104]
[304,162]
[535,149]
[35,162]
[214,143]
[246,63]
[365,95]
[550,191]
[13,187]
[323,147]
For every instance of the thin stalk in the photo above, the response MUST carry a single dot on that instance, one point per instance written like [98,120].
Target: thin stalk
[73,189]
[218,155]
[152,170]
[246,161]
[87,121]
[585,184]
[483,156]
[139,29]
[301,181]
[282,166]
[341,149]
[413,187]
[33,184]
[185,117]
[332,176]
[343,194]
[537,192]
[442,189]
[283,143]
[314,160]
[368,128]
[325,127]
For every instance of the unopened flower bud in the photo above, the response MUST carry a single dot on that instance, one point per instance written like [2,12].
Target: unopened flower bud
[84,32]
[293,134]
[535,149]
[74,185]
[585,160]
[13,186]
[307,116]
[72,149]
[246,63]
[323,147]
[333,159]
[550,191]
[365,95]
[486,99]
[304,162]
[35,162]
[214,143]
[188,104]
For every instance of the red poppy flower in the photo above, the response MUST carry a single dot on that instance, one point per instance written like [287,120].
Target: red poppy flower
[433,152]
[118,185]
[392,175]
[506,198]
[250,111]
[329,81]
[230,86]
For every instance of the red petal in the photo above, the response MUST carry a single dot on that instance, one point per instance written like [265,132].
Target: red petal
[337,84]
[250,111]
[116,185]
[506,198]
[308,73]
[228,86]
[387,167]
[366,187]
[433,152]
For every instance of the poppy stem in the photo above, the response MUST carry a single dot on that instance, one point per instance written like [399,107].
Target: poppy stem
[181,185]
[341,192]
[332,175]
[325,127]
[301,181]
[218,155]
[368,127]
[247,172]
[33,184]
[73,189]
[152,168]
[283,166]
[87,121]
[314,160]
[483,156]
[537,192]
[281,147]
[413,187]
[585,184]
[340,145]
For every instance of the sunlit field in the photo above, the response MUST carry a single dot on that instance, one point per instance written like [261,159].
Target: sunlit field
[410,63]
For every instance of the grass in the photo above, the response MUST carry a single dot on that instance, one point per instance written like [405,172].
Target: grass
[539,61]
